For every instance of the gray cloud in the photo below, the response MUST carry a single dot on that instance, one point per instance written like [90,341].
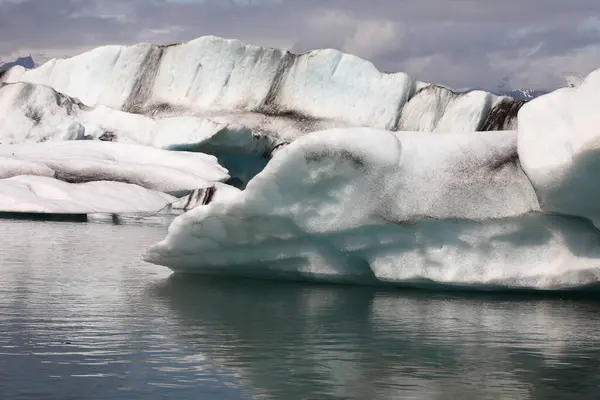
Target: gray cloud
[460,43]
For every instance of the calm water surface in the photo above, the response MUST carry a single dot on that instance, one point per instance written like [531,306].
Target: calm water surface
[82,317]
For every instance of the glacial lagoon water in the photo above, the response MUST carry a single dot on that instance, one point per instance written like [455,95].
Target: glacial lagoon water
[82,317]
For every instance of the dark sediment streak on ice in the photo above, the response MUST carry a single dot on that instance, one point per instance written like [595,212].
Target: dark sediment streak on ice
[142,88]
[199,197]
[269,105]
[503,115]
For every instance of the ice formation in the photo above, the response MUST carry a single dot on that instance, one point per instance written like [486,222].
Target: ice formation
[559,148]
[83,161]
[343,172]
[367,205]
[238,102]
[43,194]
[267,91]
[97,176]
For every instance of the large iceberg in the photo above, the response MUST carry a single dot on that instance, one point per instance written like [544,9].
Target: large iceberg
[267,91]
[239,102]
[341,172]
[366,205]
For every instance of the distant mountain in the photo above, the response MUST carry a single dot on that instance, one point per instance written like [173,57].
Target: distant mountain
[26,62]
[503,89]
[524,94]
[517,94]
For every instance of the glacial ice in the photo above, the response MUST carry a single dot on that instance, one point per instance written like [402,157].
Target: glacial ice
[559,148]
[61,176]
[268,92]
[367,205]
[236,101]
[81,161]
[43,194]
[347,173]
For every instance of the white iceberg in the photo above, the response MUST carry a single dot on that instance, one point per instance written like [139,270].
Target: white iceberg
[369,177]
[559,148]
[171,172]
[239,102]
[365,206]
[96,176]
[45,195]
[269,91]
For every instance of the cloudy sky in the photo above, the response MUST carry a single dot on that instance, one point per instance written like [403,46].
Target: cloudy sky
[460,43]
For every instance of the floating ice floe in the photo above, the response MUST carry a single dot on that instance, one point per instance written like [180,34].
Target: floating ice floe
[95,176]
[45,195]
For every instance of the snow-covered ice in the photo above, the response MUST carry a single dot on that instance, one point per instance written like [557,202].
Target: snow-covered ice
[364,205]
[87,160]
[346,173]
[559,148]
[111,176]
[42,194]
[272,91]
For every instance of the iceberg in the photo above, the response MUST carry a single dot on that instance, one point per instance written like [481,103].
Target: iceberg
[559,148]
[311,166]
[97,176]
[272,92]
[46,195]
[370,206]
[84,161]
[239,102]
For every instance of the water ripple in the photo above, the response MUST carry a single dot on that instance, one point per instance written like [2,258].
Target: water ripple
[82,317]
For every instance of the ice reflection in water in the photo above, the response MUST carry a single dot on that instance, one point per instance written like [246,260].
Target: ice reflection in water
[82,317]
